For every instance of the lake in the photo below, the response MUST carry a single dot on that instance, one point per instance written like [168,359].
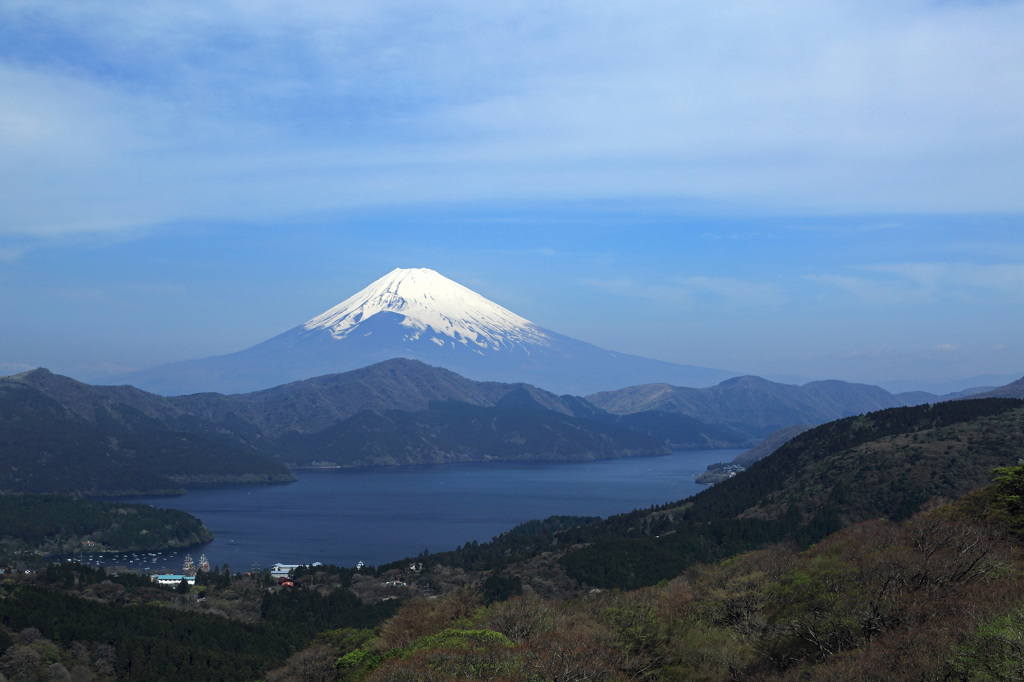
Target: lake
[343,516]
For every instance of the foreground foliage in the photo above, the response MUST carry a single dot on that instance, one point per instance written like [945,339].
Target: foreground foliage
[934,597]
[125,627]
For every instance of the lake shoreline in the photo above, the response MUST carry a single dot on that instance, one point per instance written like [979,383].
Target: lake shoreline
[383,514]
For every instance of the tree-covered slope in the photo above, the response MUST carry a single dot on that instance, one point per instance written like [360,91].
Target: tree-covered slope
[447,432]
[891,459]
[60,524]
[882,464]
[46,447]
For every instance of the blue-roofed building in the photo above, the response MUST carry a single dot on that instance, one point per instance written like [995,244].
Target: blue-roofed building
[173,580]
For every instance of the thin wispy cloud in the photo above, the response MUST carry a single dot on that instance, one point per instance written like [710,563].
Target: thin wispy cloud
[626,286]
[867,290]
[735,291]
[12,253]
[693,289]
[895,284]
[141,113]
[1004,277]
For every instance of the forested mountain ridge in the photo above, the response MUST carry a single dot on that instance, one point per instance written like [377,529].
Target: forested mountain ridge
[386,414]
[45,447]
[312,405]
[304,406]
[882,463]
[453,432]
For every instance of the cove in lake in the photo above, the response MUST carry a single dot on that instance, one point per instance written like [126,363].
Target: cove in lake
[343,516]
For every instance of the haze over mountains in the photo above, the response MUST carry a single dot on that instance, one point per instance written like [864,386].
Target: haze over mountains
[420,314]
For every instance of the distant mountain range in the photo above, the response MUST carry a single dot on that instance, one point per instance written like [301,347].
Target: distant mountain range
[1011,390]
[420,314]
[60,435]
[756,402]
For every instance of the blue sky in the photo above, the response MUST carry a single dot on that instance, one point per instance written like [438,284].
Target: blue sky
[821,189]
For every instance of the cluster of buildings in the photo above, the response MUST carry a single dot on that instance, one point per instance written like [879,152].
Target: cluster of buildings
[283,572]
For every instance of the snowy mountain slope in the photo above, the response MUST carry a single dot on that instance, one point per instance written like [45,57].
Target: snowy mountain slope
[432,305]
[422,315]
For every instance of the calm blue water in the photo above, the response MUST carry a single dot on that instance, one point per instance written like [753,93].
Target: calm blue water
[380,515]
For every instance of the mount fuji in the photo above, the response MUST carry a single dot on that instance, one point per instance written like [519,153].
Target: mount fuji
[420,314]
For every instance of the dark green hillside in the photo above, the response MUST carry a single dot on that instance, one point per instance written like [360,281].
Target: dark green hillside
[681,432]
[769,445]
[70,618]
[883,464]
[45,447]
[314,405]
[58,524]
[151,642]
[448,432]
[126,409]
[893,459]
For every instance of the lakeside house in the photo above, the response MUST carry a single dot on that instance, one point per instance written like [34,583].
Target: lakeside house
[283,570]
[287,570]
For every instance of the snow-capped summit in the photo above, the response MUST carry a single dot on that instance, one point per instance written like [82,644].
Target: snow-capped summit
[420,314]
[430,302]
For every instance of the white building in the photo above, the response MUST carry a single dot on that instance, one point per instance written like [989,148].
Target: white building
[283,570]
